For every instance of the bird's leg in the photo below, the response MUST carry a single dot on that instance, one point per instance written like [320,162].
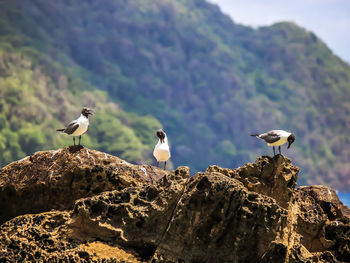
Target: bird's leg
[79,139]
[273,147]
[157,164]
[279,148]
[74,140]
[164,165]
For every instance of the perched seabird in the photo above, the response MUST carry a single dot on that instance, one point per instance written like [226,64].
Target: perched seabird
[161,151]
[276,138]
[79,126]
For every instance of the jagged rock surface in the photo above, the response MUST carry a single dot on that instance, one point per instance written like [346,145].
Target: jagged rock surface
[56,179]
[248,214]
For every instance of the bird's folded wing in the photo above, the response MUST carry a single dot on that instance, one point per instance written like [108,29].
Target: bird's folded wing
[72,126]
[270,137]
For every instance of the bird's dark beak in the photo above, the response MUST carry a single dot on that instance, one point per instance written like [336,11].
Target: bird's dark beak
[90,112]
[289,144]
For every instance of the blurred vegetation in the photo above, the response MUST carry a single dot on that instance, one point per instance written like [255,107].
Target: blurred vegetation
[209,81]
[36,98]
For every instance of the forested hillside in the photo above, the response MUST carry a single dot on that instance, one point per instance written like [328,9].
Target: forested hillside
[37,97]
[209,81]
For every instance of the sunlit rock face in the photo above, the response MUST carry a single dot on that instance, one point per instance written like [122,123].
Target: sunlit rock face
[80,205]
[56,179]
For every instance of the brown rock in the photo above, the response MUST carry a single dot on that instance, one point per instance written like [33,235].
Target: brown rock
[135,218]
[323,221]
[248,214]
[219,220]
[46,238]
[55,179]
[275,177]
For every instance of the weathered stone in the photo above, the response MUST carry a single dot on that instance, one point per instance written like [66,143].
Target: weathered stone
[248,214]
[219,220]
[321,219]
[275,177]
[55,179]
[136,217]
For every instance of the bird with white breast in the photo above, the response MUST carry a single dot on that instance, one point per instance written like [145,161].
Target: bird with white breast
[79,126]
[161,151]
[276,138]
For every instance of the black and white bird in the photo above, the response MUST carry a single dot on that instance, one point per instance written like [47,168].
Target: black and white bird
[276,138]
[161,151]
[79,126]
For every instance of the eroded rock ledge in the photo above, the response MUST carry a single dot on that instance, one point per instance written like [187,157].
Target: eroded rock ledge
[89,206]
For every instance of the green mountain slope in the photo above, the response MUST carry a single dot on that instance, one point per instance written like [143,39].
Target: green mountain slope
[37,97]
[209,81]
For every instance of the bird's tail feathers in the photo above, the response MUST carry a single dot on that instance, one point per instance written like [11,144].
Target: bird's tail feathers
[61,130]
[254,135]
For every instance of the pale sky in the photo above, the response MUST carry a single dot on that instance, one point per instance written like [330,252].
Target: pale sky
[328,19]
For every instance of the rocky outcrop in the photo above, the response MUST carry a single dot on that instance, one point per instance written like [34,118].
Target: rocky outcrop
[56,179]
[249,214]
